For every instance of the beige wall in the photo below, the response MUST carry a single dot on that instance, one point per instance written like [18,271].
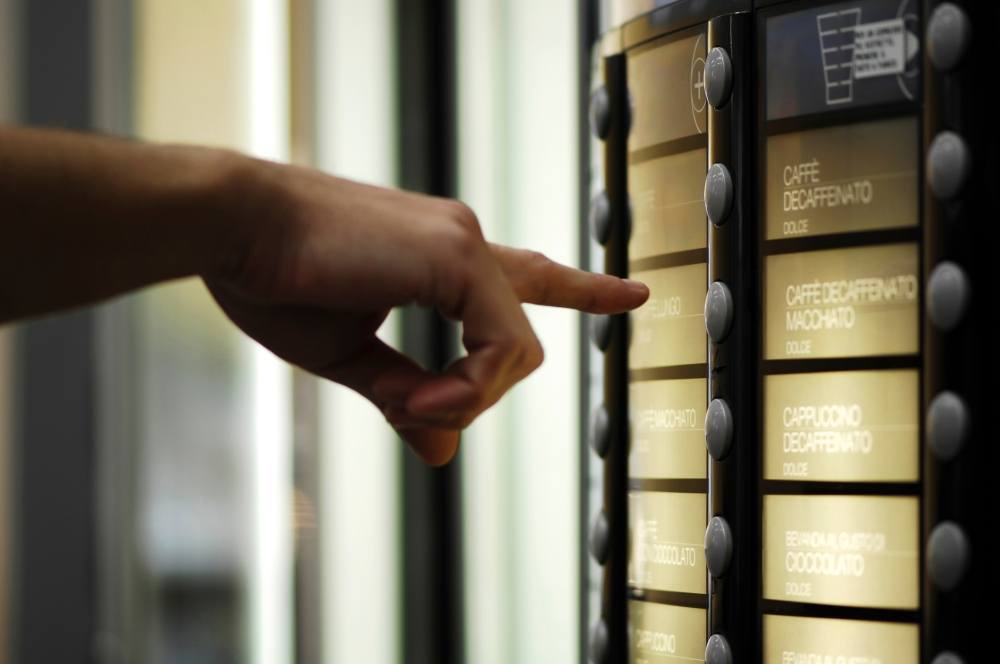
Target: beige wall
[191,71]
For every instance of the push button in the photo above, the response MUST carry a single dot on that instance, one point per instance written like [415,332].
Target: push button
[718,546]
[947,554]
[600,218]
[718,77]
[600,431]
[947,425]
[717,650]
[947,657]
[948,165]
[948,35]
[599,536]
[718,311]
[718,429]
[599,643]
[948,294]
[600,112]
[600,331]
[718,194]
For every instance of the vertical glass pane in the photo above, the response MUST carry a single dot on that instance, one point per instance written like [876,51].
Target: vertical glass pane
[359,510]
[214,485]
[518,170]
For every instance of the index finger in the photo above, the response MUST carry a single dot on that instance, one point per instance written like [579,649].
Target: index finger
[537,279]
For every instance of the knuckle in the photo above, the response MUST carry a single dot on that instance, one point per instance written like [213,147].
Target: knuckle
[523,355]
[539,263]
[541,271]
[463,216]
[477,393]
[532,354]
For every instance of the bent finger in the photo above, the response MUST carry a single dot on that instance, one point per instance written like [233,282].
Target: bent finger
[387,377]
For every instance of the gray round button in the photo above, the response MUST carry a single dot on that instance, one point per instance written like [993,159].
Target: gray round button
[947,425]
[599,643]
[599,537]
[947,554]
[718,194]
[600,217]
[948,294]
[718,77]
[600,331]
[948,165]
[600,431]
[718,546]
[600,112]
[947,657]
[718,429]
[717,650]
[718,311]
[948,34]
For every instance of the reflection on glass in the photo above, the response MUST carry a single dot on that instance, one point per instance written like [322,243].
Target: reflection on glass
[668,428]
[666,541]
[663,634]
[668,204]
[667,84]
[669,329]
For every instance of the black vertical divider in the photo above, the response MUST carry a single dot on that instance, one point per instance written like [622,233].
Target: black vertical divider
[962,490]
[54,438]
[614,607]
[733,484]
[432,551]
[586,35]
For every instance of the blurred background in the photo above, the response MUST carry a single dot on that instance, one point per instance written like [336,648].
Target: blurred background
[170,492]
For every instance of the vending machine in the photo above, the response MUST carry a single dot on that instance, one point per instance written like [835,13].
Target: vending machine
[791,443]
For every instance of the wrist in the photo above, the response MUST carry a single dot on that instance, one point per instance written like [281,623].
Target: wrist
[234,196]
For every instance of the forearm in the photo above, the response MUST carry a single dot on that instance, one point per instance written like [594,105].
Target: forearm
[84,218]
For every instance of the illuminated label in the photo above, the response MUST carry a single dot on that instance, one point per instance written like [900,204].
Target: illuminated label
[667,533]
[668,429]
[668,204]
[851,178]
[667,83]
[843,55]
[790,640]
[846,550]
[842,303]
[669,329]
[851,426]
[660,633]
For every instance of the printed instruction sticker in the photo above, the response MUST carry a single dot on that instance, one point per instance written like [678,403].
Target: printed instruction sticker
[880,48]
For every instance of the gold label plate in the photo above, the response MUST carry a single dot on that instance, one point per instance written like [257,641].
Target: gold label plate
[842,426]
[844,550]
[667,541]
[668,429]
[842,303]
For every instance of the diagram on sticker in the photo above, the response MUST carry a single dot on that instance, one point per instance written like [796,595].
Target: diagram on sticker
[853,51]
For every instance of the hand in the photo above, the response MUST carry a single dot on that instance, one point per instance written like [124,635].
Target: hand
[323,260]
